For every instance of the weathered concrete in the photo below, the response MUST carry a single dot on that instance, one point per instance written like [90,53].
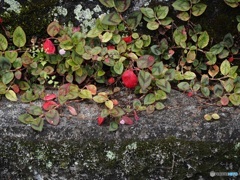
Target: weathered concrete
[174,143]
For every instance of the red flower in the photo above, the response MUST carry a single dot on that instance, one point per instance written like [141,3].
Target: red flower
[129,79]
[49,47]
[127,39]
[111,80]
[100,120]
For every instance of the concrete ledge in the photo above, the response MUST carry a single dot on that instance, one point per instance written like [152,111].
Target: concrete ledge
[173,143]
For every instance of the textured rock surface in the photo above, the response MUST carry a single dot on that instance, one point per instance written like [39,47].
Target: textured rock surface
[173,143]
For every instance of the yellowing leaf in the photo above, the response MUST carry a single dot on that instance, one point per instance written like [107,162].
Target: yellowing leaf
[109,104]
[11,95]
[225,67]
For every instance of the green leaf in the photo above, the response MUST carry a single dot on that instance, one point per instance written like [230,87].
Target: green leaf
[184,16]
[205,91]
[19,37]
[7,77]
[205,80]
[118,67]
[235,99]
[169,74]
[26,118]
[162,11]
[11,55]
[211,57]
[139,43]
[134,19]
[122,5]
[116,112]
[113,126]
[23,85]
[28,96]
[100,98]
[5,64]
[164,85]
[198,9]
[224,54]
[148,12]
[52,117]
[136,103]
[85,94]
[160,95]
[181,5]
[112,19]
[225,67]
[94,33]
[152,25]
[228,85]
[184,86]
[3,88]
[53,28]
[35,110]
[159,106]
[188,75]
[109,104]
[218,90]
[180,36]
[122,47]
[144,79]
[149,99]
[228,40]
[3,43]
[37,124]
[11,95]
[203,40]
[216,49]
[145,61]
[107,36]
[107,3]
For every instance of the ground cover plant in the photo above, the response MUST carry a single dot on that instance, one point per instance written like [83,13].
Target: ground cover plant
[116,53]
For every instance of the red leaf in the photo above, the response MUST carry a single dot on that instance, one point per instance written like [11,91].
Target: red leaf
[100,120]
[127,39]
[1,20]
[110,47]
[72,110]
[49,97]
[15,88]
[64,89]
[224,100]
[136,117]
[49,47]
[129,79]
[49,105]
[127,120]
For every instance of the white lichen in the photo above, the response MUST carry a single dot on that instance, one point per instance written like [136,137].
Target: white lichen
[13,6]
[59,10]
[111,155]
[84,16]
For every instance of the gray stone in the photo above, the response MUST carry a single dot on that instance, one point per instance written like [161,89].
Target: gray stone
[172,143]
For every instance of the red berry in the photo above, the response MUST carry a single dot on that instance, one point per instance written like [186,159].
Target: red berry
[129,79]
[111,80]
[231,59]
[190,93]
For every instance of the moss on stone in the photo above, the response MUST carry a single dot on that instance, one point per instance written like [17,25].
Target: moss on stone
[132,158]
[33,17]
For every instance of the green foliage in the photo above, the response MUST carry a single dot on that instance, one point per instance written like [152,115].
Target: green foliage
[113,45]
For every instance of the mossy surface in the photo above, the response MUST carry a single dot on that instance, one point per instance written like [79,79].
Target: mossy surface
[95,159]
